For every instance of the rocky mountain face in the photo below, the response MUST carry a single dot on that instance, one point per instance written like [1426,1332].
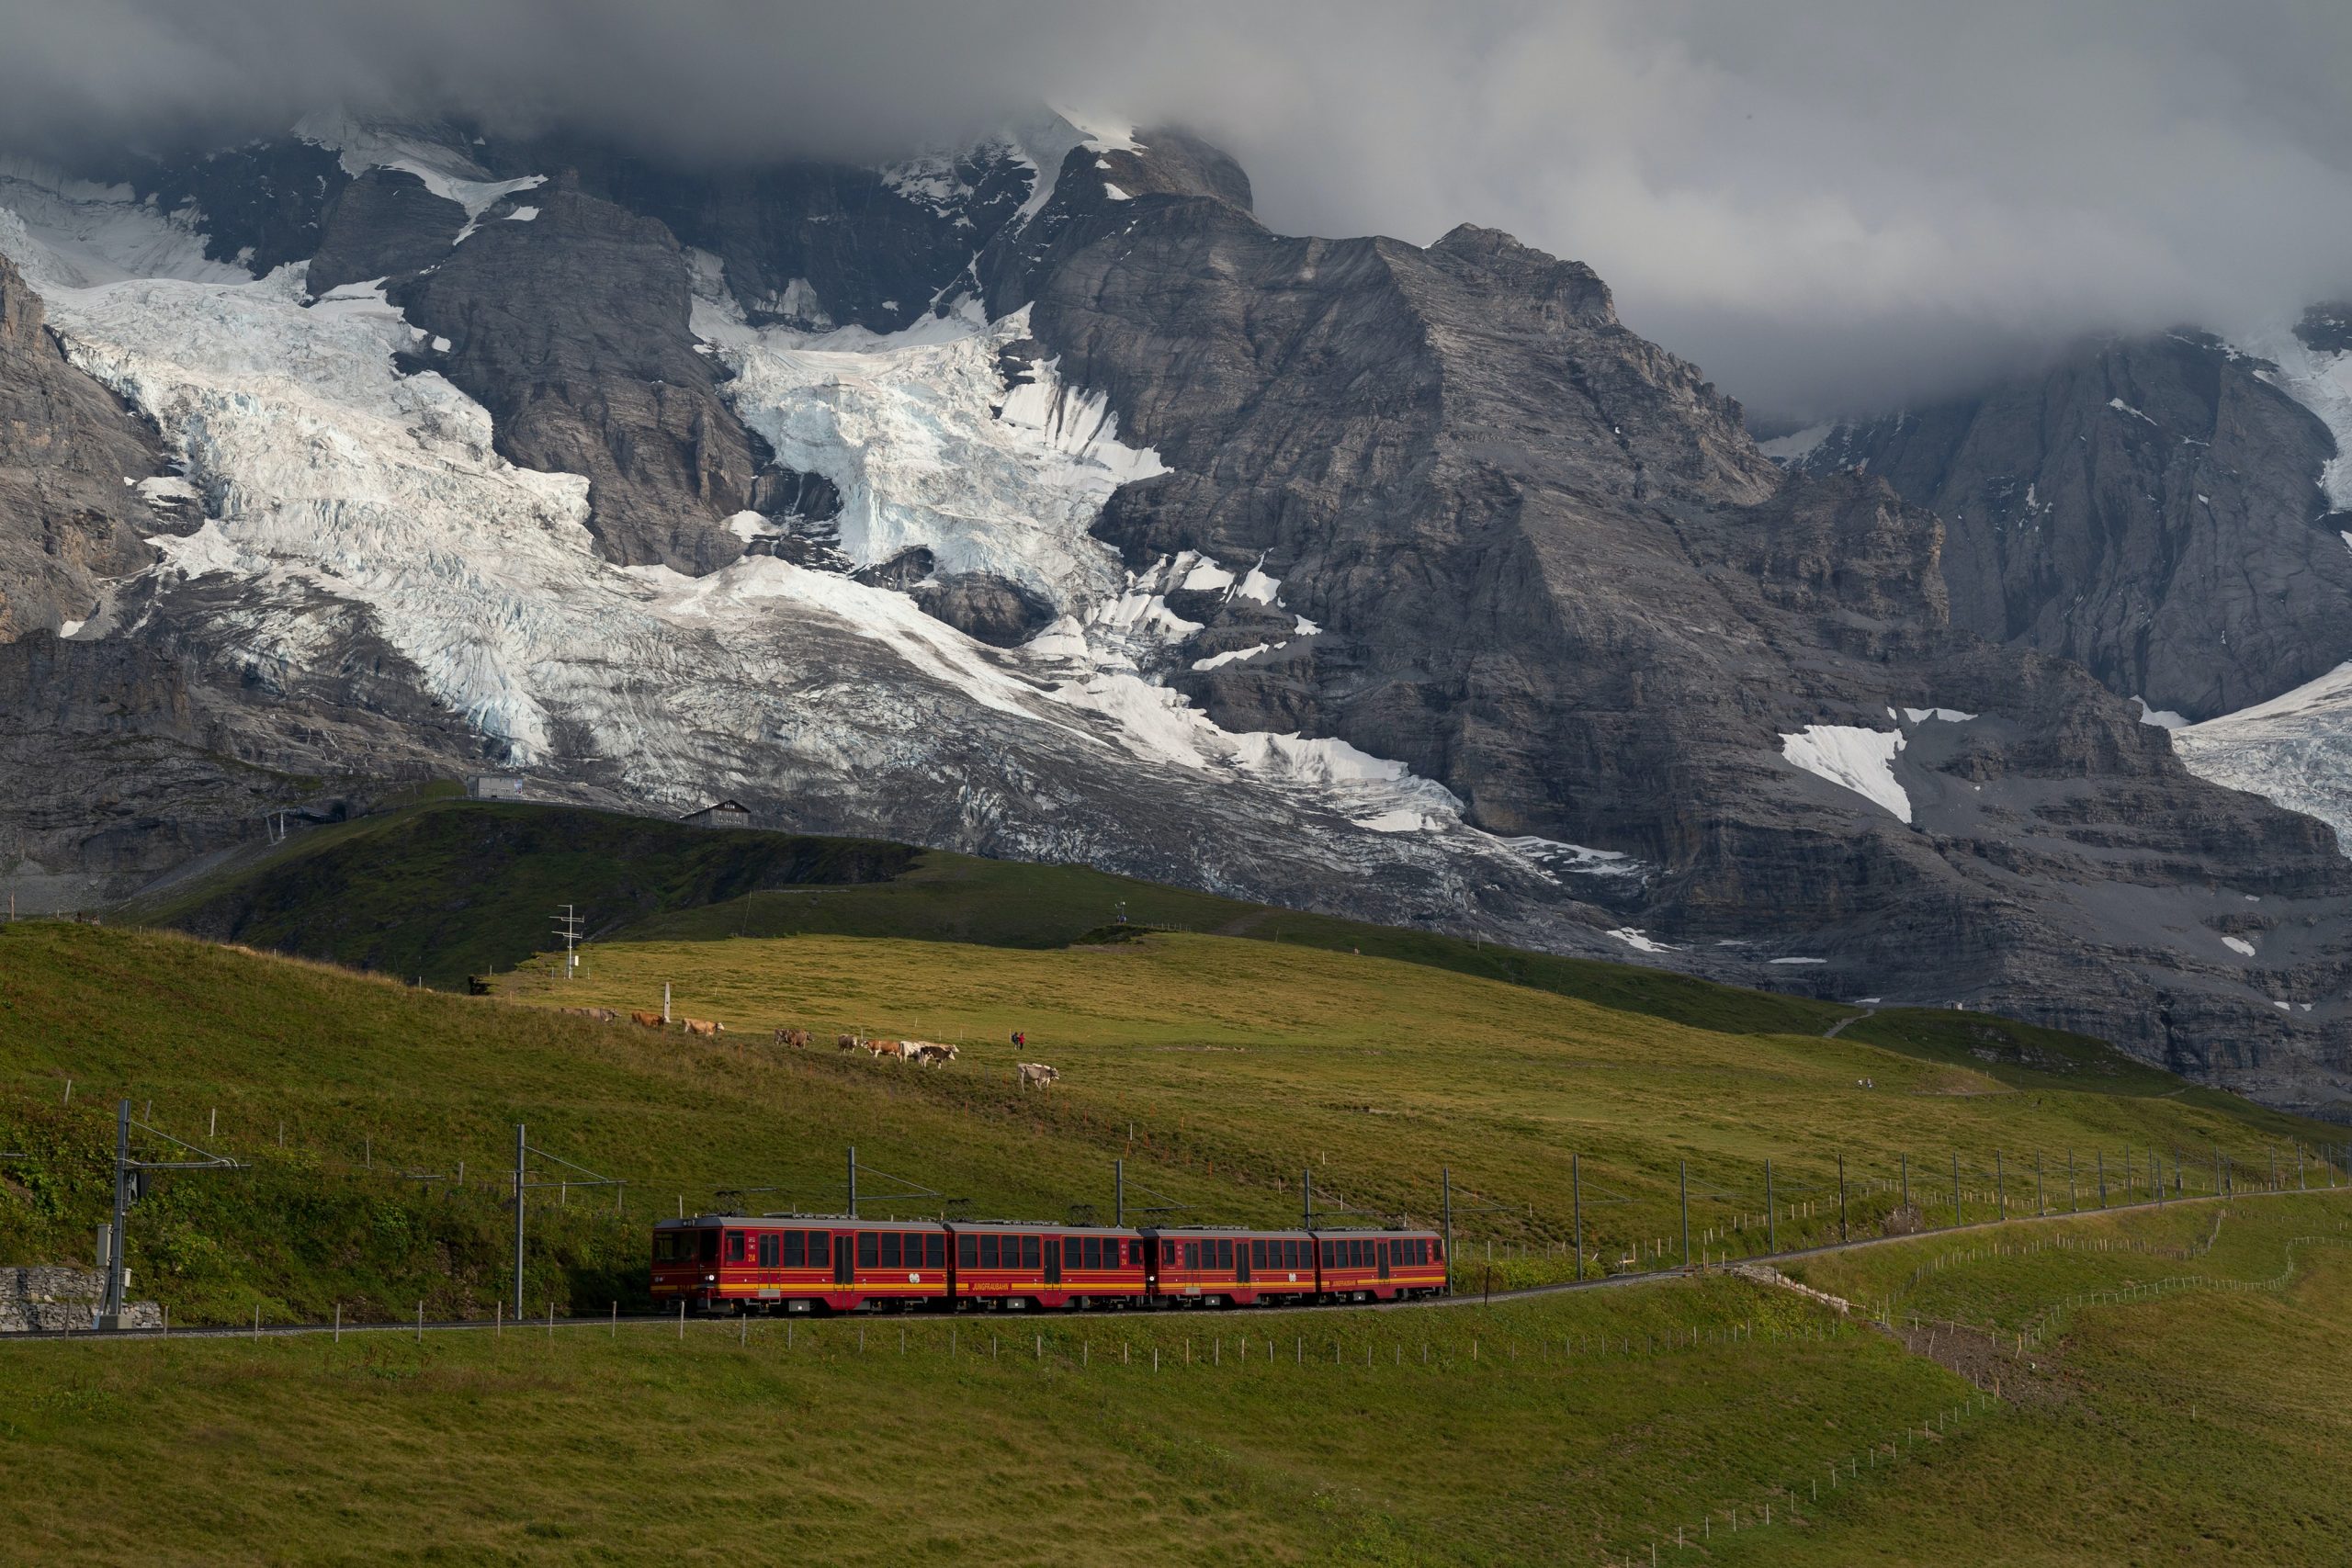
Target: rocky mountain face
[2151,510]
[1117,527]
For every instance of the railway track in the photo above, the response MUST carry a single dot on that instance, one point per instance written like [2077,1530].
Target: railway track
[613,1323]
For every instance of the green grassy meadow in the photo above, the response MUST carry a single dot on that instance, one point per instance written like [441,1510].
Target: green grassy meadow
[1249,1062]
[1586,1427]
[1217,1069]
[2170,1381]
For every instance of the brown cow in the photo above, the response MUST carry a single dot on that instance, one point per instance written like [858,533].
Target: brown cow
[703,1026]
[794,1037]
[650,1020]
[893,1049]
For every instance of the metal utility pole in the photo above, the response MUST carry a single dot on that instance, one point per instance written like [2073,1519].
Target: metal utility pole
[2074,1204]
[1771,1213]
[2102,1178]
[1445,1174]
[112,1309]
[1119,1194]
[2000,1186]
[1906,1158]
[1576,1191]
[2039,1207]
[853,1181]
[129,1181]
[1307,1199]
[522,1184]
[522,1152]
[1955,1188]
[567,926]
[1684,1167]
[1843,1234]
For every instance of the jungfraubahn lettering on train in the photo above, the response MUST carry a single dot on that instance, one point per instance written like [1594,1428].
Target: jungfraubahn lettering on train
[751,1263]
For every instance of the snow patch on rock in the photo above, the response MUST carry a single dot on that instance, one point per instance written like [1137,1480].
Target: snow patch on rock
[2322,382]
[1852,758]
[1638,942]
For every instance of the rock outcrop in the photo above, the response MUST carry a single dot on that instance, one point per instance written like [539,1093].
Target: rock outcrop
[385,223]
[571,326]
[71,513]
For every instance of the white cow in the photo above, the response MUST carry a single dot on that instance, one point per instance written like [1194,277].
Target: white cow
[1035,1075]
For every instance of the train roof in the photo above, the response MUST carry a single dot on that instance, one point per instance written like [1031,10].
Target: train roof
[696,1222]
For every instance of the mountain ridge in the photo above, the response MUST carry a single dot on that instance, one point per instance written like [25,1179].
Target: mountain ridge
[1339,573]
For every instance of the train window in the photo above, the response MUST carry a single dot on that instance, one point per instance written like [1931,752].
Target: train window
[767,1250]
[734,1247]
[1225,1255]
[967,1252]
[821,1250]
[709,1248]
[935,1251]
[1073,1253]
[1192,1254]
[1437,1252]
[890,1250]
[1029,1252]
[1089,1253]
[869,1249]
[1330,1255]
[1363,1255]
[795,1248]
[1258,1255]
[989,1250]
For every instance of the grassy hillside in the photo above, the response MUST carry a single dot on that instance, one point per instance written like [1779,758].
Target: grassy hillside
[2200,1425]
[1215,1067]
[448,889]
[2203,1419]
[1249,1060]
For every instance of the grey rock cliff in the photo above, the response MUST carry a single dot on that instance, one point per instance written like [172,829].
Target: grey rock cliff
[2150,509]
[69,517]
[572,329]
[384,224]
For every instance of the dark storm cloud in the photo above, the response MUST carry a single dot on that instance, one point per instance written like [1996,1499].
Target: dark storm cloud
[1829,205]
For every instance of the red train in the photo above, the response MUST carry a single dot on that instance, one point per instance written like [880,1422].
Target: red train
[740,1263]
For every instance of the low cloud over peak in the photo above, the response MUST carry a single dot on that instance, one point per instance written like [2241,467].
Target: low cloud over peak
[1829,205]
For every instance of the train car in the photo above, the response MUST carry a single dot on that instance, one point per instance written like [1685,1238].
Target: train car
[1379,1266]
[800,1263]
[1013,1267]
[1230,1268]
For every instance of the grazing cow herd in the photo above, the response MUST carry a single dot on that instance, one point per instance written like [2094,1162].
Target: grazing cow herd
[922,1052]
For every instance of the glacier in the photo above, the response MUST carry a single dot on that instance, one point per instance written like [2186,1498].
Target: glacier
[328,477]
